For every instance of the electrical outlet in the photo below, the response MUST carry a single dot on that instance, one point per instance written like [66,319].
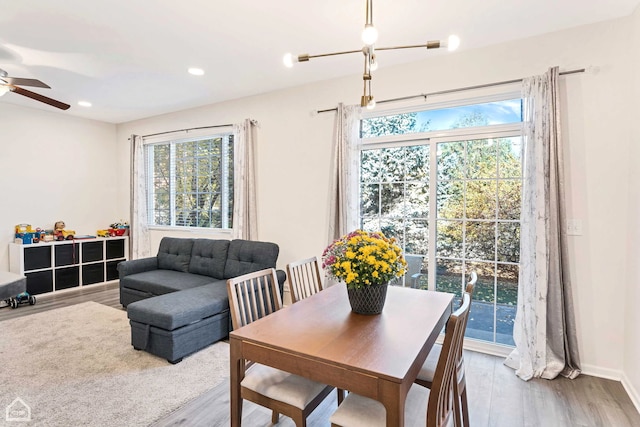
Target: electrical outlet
[574,227]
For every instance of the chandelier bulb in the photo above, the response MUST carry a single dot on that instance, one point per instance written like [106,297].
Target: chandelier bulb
[371,104]
[288,60]
[453,42]
[374,65]
[4,89]
[369,34]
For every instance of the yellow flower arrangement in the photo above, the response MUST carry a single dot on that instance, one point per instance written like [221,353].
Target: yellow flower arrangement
[363,258]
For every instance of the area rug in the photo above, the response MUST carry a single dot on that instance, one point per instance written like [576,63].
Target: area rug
[75,366]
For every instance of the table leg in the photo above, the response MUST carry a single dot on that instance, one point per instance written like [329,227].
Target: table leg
[237,374]
[393,400]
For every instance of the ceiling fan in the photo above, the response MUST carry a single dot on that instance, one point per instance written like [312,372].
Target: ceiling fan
[12,84]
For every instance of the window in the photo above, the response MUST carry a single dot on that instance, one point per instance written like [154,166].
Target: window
[190,182]
[452,201]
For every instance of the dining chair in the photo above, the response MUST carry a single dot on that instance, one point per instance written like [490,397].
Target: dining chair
[251,297]
[304,281]
[435,404]
[304,278]
[425,376]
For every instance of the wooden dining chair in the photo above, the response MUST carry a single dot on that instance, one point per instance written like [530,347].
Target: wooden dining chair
[251,297]
[304,281]
[425,376]
[304,278]
[435,404]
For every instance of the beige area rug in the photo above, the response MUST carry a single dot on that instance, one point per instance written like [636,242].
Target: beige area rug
[75,366]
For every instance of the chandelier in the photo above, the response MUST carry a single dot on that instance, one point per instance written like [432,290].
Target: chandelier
[369,37]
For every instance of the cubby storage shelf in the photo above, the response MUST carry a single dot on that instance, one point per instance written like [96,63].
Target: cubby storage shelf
[57,266]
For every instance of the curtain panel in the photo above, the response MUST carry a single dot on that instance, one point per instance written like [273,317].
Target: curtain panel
[245,216]
[139,241]
[544,330]
[345,167]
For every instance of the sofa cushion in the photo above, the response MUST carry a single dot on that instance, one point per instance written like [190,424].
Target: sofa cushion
[172,311]
[208,257]
[247,256]
[174,254]
[158,282]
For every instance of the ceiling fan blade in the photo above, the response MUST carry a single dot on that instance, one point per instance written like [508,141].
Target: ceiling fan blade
[38,97]
[26,82]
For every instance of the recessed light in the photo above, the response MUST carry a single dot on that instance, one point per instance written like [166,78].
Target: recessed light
[196,71]
[84,103]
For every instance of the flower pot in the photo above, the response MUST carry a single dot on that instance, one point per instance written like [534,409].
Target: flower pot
[368,299]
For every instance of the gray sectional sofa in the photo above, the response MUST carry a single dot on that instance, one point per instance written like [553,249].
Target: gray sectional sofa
[177,301]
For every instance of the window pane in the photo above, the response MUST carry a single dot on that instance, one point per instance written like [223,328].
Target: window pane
[417,237]
[417,200]
[370,198]
[417,163]
[189,177]
[509,242]
[449,239]
[450,161]
[481,199]
[370,166]
[480,240]
[510,159]
[481,114]
[392,165]
[451,199]
[449,277]
[509,200]
[507,297]
[392,199]
[482,159]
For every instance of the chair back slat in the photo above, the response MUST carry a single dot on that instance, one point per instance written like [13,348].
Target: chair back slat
[441,406]
[253,296]
[304,278]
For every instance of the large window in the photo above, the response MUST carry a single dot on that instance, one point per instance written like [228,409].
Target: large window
[451,198]
[190,182]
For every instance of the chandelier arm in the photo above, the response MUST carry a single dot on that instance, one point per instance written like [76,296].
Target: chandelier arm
[333,53]
[428,45]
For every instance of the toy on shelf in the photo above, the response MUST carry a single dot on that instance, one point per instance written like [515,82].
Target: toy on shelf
[26,234]
[119,228]
[60,233]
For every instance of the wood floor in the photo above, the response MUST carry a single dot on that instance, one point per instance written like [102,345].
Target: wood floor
[496,396]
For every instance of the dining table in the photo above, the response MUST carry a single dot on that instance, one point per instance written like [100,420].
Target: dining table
[320,338]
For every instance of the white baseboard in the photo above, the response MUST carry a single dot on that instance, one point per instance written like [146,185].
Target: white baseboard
[631,391]
[596,371]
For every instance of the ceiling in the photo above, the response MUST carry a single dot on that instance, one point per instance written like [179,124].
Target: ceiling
[129,58]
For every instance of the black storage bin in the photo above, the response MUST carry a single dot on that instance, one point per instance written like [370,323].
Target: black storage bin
[66,254]
[67,277]
[39,282]
[92,273]
[115,248]
[91,251]
[37,258]
[112,270]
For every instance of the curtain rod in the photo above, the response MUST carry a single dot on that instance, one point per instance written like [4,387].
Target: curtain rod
[185,130]
[442,92]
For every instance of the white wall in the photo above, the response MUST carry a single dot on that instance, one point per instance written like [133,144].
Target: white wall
[295,149]
[55,167]
[631,379]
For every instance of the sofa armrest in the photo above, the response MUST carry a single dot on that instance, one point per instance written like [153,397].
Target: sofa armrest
[126,268]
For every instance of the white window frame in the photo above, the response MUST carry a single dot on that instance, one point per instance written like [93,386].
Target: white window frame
[225,206]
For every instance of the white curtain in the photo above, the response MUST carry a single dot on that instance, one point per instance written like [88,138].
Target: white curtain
[544,329]
[343,197]
[245,216]
[139,244]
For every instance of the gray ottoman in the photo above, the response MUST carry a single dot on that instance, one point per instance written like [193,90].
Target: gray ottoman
[11,285]
[175,325]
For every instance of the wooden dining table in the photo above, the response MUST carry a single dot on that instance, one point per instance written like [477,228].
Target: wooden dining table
[377,356]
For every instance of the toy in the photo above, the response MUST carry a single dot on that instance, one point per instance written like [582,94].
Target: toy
[103,233]
[22,298]
[60,233]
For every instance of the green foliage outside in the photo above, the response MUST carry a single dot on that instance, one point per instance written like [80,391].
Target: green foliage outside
[188,183]
[478,203]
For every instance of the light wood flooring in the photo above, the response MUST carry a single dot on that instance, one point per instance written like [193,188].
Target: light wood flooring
[496,396]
